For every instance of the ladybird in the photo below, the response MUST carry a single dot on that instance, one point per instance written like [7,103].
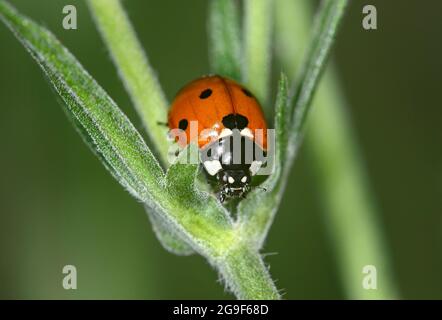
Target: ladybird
[229,128]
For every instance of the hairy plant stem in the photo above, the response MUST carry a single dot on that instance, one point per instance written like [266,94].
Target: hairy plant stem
[246,275]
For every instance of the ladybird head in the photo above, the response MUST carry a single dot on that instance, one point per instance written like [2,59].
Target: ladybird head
[235,183]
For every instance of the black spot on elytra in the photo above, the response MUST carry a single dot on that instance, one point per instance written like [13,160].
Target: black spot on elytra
[235,121]
[206,93]
[183,124]
[247,92]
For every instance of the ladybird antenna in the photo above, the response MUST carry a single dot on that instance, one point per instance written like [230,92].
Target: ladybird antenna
[162,123]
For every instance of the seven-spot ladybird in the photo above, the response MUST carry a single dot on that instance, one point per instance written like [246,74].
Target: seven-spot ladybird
[223,111]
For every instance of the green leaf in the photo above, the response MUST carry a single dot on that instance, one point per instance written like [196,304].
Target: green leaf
[282,121]
[119,145]
[180,178]
[224,41]
[102,124]
[180,184]
[167,236]
[144,89]
[257,49]
[134,69]
[199,218]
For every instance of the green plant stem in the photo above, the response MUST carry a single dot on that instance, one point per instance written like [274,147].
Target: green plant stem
[246,275]
[351,218]
[134,69]
[224,38]
[257,49]
[313,64]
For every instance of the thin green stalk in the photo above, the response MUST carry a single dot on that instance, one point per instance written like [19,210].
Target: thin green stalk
[306,83]
[224,38]
[134,69]
[257,49]
[351,218]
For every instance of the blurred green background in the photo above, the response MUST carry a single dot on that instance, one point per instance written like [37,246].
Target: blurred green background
[59,206]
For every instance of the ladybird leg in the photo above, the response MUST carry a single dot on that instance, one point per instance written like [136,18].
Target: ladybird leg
[223,193]
[221,196]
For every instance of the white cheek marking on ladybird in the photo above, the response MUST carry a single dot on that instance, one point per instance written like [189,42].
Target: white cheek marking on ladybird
[244,179]
[247,133]
[212,166]
[225,133]
[255,166]
[231,180]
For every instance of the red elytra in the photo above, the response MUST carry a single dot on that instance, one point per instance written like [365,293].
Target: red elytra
[217,103]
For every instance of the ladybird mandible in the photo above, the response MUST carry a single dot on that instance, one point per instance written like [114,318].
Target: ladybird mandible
[222,110]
